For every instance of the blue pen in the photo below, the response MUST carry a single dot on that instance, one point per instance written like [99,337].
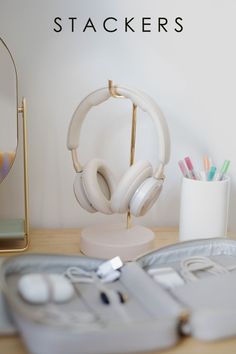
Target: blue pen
[211,173]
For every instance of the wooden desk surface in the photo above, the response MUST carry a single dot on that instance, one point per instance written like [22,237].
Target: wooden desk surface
[67,241]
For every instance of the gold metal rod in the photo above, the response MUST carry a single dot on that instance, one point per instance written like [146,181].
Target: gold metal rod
[113,93]
[133,135]
[26,177]
[128,220]
[132,151]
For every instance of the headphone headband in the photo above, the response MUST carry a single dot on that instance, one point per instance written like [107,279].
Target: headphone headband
[141,100]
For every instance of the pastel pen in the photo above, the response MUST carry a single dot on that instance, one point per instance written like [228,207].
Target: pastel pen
[206,163]
[223,171]
[211,173]
[189,164]
[183,169]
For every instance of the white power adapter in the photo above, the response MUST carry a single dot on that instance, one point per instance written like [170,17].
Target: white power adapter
[109,266]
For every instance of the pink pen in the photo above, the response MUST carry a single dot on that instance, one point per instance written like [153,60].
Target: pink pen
[190,168]
[183,169]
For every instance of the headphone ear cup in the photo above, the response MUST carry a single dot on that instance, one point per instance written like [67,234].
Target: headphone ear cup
[99,185]
[129,183]
[81,195]
[145,196]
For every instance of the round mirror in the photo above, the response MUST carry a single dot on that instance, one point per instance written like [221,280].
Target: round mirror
[8,109]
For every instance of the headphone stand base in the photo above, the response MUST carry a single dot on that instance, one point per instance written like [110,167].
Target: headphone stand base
[110,240]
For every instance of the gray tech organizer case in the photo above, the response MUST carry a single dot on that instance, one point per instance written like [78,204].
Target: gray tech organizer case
[154,317]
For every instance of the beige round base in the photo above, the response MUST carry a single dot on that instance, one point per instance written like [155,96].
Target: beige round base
[108,241]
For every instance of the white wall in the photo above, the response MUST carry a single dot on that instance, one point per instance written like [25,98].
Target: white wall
[192,76]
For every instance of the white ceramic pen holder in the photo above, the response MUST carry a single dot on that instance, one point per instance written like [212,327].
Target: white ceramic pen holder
[203,209]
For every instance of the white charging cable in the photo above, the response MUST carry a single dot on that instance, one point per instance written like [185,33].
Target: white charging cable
[106,271]
[190,266]
[78,275]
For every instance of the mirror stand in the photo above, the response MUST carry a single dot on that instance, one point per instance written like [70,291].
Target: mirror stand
[19,227]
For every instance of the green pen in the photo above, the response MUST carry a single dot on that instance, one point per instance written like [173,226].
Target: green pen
[224,169]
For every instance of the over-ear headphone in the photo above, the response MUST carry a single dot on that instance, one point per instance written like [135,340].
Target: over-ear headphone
[95,186]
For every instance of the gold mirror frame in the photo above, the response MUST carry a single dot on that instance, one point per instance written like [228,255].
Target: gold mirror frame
[16,101]
[20,112]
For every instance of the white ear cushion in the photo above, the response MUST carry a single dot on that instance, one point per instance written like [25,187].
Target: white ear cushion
[80,194]
[99,185]
[129,183]
[145,196]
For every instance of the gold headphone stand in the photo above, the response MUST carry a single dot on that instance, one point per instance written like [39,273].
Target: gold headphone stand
[108,241]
